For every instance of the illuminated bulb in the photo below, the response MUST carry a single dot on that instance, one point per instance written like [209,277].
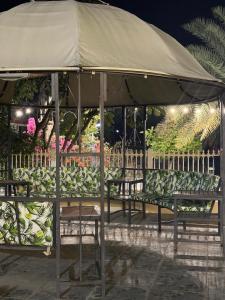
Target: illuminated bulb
[172,110]
[117,131]
[212,110]
[198,110]
[19,113]
[145,76]
[93,73]
[185,110]
[28,111]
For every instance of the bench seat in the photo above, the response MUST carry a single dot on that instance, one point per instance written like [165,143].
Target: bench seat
[160,186]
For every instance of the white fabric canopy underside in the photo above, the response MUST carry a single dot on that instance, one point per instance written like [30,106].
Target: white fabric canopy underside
[57,35]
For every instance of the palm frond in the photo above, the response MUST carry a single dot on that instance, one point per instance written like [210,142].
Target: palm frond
[209,60]
[213,122]
[208,32]
[219,13]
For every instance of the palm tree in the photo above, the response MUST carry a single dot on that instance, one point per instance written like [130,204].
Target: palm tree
[201,121]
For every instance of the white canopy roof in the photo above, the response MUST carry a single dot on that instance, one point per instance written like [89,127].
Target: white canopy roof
[60,35]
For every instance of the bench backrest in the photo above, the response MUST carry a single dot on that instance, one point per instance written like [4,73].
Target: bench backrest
[78,180]
[165,182]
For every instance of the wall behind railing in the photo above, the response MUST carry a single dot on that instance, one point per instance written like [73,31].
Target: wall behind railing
[204,162]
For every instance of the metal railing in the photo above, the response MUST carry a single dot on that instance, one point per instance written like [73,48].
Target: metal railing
[200,161]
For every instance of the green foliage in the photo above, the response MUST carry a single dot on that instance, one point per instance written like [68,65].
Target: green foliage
[211,33]
[167,142]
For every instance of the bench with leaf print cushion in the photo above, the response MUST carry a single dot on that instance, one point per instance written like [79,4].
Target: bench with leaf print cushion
[160,185]
[31,223]
[74,181]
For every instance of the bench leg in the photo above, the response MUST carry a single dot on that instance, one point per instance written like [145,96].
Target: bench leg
[219,217]
[124,208]
[129,211]
[175,233]
[143,210]
[184,225]
[159,219]
[108,209]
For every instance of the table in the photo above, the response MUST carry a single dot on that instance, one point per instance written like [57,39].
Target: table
[124,197]
[77,213]
[10,185]
[83,213]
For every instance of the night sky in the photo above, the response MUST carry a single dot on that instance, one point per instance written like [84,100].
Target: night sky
[169,15]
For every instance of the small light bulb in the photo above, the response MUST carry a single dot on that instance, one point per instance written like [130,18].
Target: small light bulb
[28,110]
[19,113]
[212,110]
[198,110]
[117,131]
[185,110]
[145,76]
[172,110]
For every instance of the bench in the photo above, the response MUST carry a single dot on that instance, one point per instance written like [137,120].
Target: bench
[161,185]
[30,222]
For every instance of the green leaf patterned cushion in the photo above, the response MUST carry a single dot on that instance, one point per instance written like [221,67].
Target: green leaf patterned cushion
[75,181]
[31,223]
[161,184]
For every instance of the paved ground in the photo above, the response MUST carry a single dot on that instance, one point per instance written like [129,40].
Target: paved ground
[140,264]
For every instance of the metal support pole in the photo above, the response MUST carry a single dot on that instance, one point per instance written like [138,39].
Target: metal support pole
[124,112]
[135,128]
[103,98]
[55,97]
[9,155]
[80,204]
[222,167]
[79,113]
[144,147]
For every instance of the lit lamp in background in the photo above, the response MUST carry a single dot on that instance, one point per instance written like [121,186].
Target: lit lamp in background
[19,113]
[28,111]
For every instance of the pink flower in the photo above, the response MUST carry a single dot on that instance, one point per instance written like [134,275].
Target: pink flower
[31,126]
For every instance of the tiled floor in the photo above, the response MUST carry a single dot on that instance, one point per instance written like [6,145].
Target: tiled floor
[140,264]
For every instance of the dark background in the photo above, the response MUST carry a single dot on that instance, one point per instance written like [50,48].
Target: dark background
[169,15]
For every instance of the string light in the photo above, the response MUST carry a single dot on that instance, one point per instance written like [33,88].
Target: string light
[28,110]
[19,113]
[198,110]
[185,110]
[172,110]
[212,110]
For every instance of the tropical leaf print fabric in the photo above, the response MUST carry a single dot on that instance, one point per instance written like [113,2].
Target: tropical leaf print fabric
[31,223]
[161,185]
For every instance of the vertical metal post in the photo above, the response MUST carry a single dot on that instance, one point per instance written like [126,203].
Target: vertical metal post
[9,156]
[80,204]
[55,97]
[144,146]
[135,127]
[124,112]
[222,167]
[79,113]
[103,98]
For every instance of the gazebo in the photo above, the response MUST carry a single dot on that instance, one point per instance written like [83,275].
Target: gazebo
[113,59]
